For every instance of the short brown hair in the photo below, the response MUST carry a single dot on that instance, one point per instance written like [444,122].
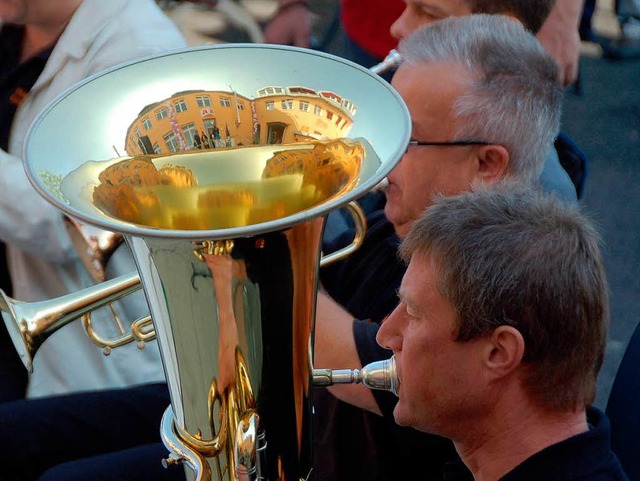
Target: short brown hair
[514,256]
[532,13]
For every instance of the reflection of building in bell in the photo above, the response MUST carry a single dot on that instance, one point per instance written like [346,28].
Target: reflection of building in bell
[328,166]
[123,189]
[191,120]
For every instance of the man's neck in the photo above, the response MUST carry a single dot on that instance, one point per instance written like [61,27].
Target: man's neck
[509,437]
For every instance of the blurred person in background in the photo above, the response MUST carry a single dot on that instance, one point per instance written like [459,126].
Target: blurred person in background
[373,28]
[369,35]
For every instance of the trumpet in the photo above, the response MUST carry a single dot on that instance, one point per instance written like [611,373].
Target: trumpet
[31,323]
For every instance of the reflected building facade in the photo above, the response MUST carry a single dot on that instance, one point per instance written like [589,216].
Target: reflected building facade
[208,119]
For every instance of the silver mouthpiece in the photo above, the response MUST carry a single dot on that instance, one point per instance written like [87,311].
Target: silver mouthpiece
[392,60]
[381,375]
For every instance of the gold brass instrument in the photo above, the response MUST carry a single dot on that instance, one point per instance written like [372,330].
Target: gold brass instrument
[31,323]
[96,245]
[225,227]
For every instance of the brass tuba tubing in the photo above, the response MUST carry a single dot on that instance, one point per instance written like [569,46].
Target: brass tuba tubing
[31,323]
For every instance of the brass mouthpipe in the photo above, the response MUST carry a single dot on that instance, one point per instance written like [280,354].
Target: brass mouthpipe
[380,375]
[31,323]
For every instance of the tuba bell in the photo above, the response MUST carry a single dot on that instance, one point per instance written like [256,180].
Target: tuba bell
[228,159]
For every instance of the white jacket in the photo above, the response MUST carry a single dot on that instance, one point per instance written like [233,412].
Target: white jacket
[42,261]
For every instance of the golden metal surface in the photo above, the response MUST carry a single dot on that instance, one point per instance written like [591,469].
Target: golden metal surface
[235,153]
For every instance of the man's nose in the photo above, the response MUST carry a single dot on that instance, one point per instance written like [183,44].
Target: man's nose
[389,336]
[399,28]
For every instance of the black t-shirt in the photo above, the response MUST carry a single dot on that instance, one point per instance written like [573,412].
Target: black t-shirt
[349,443]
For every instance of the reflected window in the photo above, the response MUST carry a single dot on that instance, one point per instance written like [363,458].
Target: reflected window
[275,133]
[301,90]
[317,110]
[172,142]
[329,115]
[161,114]
[138,133]
[287,104]
[156,148]
[209,124]
[203,101]
[189,132]
[146,123]
[331,96]
[304,105]
[271,91]
[180,105]
[144,144]
[240,105]
[270,105]
[225,102]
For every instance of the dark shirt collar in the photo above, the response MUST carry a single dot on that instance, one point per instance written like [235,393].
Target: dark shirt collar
[579,457]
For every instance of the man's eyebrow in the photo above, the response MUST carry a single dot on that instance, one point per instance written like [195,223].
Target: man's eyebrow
[402,298]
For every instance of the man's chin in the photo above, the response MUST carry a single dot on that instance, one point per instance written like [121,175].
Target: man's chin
[400,416]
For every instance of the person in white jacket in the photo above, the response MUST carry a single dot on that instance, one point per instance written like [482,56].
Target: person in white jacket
[81,38]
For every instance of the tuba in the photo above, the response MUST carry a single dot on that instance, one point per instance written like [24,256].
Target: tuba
[218,166]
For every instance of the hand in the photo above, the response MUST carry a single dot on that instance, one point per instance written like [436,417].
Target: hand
[560,38]
[290,26]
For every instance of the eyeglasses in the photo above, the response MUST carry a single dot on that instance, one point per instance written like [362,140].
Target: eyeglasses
[451,143]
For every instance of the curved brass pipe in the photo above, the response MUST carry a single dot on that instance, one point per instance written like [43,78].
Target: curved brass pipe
[31,323]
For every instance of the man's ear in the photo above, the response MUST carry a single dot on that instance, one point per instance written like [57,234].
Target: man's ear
[493,161]
[505,350]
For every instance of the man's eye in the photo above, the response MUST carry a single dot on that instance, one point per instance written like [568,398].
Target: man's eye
[427,15]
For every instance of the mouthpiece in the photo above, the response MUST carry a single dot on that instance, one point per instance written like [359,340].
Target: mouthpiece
[381,375]
[392,60]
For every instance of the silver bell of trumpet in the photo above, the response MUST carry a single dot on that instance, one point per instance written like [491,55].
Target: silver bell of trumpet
[225,227]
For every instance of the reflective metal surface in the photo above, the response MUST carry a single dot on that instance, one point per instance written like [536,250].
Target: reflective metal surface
[249,106]
[380,375]
[391,61]
[225,226]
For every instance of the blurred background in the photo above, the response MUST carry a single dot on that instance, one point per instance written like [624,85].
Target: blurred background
[601,113]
